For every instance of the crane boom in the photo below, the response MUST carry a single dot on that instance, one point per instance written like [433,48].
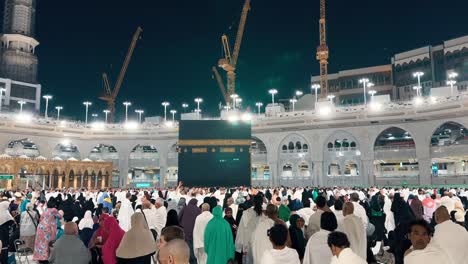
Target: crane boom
[220,83]
[118,84]
[240,33]
[229,62]
[106,84]
[322,52]
[226,48]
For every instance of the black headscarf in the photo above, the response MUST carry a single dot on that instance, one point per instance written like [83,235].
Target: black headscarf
[172,218]
[298,241]
[401,211]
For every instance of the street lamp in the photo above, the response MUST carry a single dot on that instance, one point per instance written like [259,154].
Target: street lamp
[106,112]
[234,99]
[127,104]
[238,101]
[453,75]
[2,90]
[315,86]
[273,92]
[372,93]
[95,116]
[259,106]
[173,112]
[299,93]
[165,105]
[418,75]
[139,112]
[293,101]
[185,106]
[198,111]
[364,82]
[21,103]
[47,98]
[418,89]
[58,108]
[198,100]
[451,83]
[87,104]
[331,97]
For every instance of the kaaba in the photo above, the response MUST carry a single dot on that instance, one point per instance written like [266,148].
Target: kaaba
[214,153]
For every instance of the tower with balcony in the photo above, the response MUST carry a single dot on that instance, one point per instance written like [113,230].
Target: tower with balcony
[18,61]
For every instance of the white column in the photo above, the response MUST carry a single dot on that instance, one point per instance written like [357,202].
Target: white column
[367,172]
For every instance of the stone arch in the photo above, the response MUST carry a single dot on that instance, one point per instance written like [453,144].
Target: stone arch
[395,156]
[257,145]
[448,159]
[144,164]
[172,170]
[394,137]
[66,150]
[449,133]
[104,152]
[351,168]
[334,169]
[292,139]
[304,169]
[287,170]
[341,136]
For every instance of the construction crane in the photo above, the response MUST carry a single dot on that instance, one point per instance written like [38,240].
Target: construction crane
[111,94]
[229,62]
[219,79]
[322,52]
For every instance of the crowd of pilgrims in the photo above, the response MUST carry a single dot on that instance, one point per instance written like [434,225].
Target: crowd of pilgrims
[239,225]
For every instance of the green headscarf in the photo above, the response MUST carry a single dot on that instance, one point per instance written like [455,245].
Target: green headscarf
[219,243]
[284,213]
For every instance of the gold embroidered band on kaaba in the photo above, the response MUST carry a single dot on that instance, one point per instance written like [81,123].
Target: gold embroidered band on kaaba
[215,142]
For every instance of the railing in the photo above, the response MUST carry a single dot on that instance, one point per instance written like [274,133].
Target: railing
[342,149]
[395,147]
[295,151]
[448,175]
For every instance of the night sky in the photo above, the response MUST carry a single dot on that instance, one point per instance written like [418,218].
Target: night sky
[181,41]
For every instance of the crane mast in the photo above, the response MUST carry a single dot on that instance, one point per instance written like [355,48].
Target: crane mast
[111,95]
[322,52]
[229,62]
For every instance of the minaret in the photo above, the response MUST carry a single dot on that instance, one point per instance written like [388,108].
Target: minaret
[18,62]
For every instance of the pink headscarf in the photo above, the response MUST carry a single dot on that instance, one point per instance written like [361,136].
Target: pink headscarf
[115,235]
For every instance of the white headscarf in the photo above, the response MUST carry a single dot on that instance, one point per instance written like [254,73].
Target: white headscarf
[138,241]
[5,215]
[87,221]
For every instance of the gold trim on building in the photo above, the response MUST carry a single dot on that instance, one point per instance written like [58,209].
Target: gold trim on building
[215,142]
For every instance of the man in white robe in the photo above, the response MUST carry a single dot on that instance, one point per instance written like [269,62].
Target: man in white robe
[353,227]
[125,213]
[306,212]
[450,237]
[421,250]
[314,220]
[317,250]
[280,253]
[260,240]
[342,253]
[359,211]
[246,227]
[199,233]
[150,215]
[160,213]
